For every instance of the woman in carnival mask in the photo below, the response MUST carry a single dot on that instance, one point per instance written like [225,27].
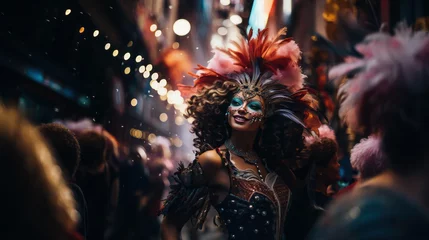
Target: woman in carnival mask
[249,108]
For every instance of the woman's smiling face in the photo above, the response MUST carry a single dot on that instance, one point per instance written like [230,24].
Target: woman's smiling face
[246,115]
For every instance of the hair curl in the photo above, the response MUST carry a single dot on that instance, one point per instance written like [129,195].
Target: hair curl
[278,143]
[323,151]
[64,145]
[92,149]
[208,108]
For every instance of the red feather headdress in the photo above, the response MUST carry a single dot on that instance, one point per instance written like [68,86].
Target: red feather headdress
[275,55]
[263,66]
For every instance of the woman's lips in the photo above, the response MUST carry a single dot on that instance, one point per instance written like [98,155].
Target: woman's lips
[240,119]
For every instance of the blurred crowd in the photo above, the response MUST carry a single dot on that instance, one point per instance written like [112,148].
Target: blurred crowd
[79,183]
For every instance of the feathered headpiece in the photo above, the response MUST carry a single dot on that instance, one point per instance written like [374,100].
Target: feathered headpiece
[324,132]
[262,66]
[390,71]
[367,157]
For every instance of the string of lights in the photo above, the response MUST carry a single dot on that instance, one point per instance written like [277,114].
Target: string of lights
[145,70]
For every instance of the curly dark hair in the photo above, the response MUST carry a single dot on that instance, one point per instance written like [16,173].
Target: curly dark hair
[208,108]
[322,152]
[92,148]
[65,146]
[278,143]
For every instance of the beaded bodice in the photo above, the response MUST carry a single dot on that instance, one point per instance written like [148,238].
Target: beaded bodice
[254,209]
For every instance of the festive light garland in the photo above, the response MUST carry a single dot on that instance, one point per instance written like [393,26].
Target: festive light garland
[161,87]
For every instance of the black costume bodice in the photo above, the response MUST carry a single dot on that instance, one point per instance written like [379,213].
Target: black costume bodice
[253,209]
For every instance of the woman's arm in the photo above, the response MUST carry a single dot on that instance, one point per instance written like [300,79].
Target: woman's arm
[190,195]
[171,227]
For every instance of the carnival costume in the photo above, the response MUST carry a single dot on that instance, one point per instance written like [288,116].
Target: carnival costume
[255,207]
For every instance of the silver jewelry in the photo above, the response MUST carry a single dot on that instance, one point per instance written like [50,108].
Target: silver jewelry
[255,119]
[249,157]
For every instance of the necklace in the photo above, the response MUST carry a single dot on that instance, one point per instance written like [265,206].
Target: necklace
[249,157]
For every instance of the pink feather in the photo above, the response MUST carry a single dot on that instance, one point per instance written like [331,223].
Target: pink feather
[290,75]
[222,63]
[391,66]
[290,49]
[324,132]
[367,157]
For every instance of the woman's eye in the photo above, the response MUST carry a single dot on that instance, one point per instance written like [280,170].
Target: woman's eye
[236,102]
[255,106]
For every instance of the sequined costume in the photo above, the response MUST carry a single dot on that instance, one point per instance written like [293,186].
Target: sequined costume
[252,209]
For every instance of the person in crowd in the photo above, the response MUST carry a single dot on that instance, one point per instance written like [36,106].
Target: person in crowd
[67,152]
[368,160]
[325,169]
[93,176]
[160,167]
[322,170]
[249,107]
[132,220]
[387,96]
[113,162]
[37,204]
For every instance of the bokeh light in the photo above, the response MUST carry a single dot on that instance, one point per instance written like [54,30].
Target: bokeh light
[134,102]
[181,27]
[163,117]
[236,19]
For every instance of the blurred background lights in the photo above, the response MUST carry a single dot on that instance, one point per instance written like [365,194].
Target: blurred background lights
[163,83]
[68,11]
[153,27]
[154,84]
[236,19]
[81,30]
[216,41]
[163,97]
[136,133]
[151,138]
[141,69]
[115,53]
[177,142]
[155,76]
[175,45]
[127,56]
[139,58]
[149,67]
[179,120]
[227,23]
[107,46]
[158,33]
[163,117]
[96,32]
[134,102]
[222,31]
[225,2]
[162,91]
[181,27]
[190,120]
[146,74]
[127,70]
